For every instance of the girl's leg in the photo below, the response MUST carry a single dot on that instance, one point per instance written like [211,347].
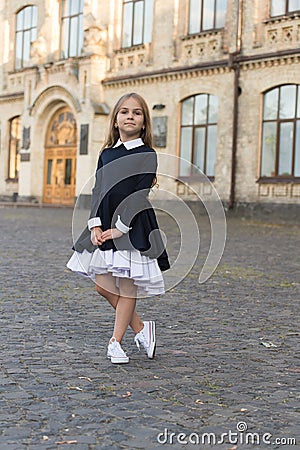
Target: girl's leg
[125,309]
[106,286]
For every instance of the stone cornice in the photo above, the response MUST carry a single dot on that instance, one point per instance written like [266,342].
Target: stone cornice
[262,60]
[169,74]
[272,61]
[12,97]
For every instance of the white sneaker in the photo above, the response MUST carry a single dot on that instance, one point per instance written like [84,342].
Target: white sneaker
[116,353]
[146,337]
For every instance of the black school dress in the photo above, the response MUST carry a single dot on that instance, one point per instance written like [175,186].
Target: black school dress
[124,177]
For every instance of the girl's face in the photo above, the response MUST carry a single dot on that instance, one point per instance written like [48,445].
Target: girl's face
[130,120]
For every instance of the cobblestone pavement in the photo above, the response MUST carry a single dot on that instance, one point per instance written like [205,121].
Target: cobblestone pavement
[226,359]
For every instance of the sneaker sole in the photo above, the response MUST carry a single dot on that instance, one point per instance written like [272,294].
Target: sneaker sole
[152,348]
[151,351]
[115,360]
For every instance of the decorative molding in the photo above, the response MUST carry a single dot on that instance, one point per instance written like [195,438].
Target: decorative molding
[165,75]
[282,33]
[203,34]
[270,62]
[136,48]
[95,40]
[194,189]
[281,190]
[282,19]
[204,46]
[252,62]
[15,81]
[11,97]
[295,190]
[68,67]
[38,50]
[132,58]
[55,93]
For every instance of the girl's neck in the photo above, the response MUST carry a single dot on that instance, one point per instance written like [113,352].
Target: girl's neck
[125,139]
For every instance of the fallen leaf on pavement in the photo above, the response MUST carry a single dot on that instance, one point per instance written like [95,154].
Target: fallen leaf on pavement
[85,378]
[268,344]
[128,394]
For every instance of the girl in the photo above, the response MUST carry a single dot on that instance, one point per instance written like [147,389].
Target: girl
[121,248]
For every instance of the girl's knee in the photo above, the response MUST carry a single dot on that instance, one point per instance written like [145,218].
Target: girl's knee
[100,289]
[107,292]
[128,288]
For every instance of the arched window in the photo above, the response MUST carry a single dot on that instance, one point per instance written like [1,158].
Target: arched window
[281,132]
[26,31]
[137,22]
[198,134]
[283,7]
[14,148]
[71,28]
[206,15]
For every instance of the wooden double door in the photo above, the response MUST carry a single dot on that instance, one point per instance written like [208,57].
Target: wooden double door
[60,159]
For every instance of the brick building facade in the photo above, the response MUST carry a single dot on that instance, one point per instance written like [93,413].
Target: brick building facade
[221,78]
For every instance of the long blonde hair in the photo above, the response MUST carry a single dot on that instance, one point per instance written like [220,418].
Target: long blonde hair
[113,132]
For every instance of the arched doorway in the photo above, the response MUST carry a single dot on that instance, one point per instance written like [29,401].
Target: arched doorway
[60,159]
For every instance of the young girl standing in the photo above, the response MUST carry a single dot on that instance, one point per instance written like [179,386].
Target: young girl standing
[121,248]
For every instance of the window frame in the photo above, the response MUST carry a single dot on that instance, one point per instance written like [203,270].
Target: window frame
[17,149]
[201,29]
[276,177]
[144,38]
[195,127]
[67,19]
[286,13]
[23,31]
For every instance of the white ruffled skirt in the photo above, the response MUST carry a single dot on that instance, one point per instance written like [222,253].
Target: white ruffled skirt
[143,270]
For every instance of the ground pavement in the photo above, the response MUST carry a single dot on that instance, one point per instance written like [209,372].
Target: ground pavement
[226,370]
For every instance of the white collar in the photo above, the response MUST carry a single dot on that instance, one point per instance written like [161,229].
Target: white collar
[130,144]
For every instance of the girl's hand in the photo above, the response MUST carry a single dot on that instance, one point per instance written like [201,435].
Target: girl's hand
[112,233]
[96,236]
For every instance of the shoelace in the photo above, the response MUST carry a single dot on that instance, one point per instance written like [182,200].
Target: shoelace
[140,339]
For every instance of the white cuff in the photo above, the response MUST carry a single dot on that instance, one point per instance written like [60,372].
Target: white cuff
[94,222]
[121,226]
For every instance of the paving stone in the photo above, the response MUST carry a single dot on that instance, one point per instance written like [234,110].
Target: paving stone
[211,370]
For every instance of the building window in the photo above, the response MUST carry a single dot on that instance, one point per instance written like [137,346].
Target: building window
[26,32]
[283,7]
[198,135]
[14,148]
[281,132]
[137,22]
[206,15]
[71,28]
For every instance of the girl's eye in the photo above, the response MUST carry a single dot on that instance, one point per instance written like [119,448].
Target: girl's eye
[125,111]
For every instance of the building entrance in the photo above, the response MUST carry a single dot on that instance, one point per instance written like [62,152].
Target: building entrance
[60,159]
